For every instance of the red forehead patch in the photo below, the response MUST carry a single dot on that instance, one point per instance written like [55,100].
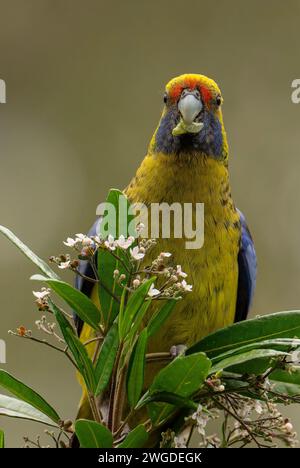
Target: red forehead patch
[190,83]
[206,94]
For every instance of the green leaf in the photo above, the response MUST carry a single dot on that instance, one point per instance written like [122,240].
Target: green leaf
[15,408]
[133,307]
[26,394]
[62,321]
[136,370]
[253,367]
[138,321]
[136,438]
[83,360]
[106,359]
[244,358]
[108,261]
[117,199]
[79,302]
[183,376]
[166,397]
[92,434]
[1,438]
[267,327]
[78,350]
[28,253]
[161,316]
[278,344]
[287,383]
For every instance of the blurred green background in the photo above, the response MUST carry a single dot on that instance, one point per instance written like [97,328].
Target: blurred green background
[84,93]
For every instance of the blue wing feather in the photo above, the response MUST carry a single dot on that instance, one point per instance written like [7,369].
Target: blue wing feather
[247,272]
[80,283]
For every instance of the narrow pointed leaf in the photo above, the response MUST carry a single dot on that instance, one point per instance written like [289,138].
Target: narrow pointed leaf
[83,360]
[133,307]
[138,321]
[106,359]
[243,358]
[78,350]
[279,344]
[166,397]
[15,408]
[136,370]
[26,394]
[108,263]
[62,321]
[267,327]
[43,266]
[1,438]
[285,382]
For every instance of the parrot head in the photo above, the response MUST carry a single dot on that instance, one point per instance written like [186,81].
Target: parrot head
[191,122]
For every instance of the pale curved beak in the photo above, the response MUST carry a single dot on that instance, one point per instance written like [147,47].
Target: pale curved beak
[189,107]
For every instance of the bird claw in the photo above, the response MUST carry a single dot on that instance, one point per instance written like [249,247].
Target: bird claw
[178,350]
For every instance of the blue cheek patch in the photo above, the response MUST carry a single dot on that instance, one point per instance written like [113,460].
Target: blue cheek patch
[208,141]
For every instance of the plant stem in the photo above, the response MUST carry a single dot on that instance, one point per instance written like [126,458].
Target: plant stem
[235,416]
[46,343]
[113,388]
[121,261]
[94,408]
[164,356]
[119,400]
[99,341]
[92,340]
[121,427]
[87,278]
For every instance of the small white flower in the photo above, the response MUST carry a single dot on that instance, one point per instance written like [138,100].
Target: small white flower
[153,292]
[110,243]
[186,287]
[97,240]
[41,294]
[80,237]
[64,265]
[70,242]
[201,419]
[87,242]
[179,272]
[125,243]
[136,253]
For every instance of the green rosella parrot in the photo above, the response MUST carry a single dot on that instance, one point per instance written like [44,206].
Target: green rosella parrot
[187,162]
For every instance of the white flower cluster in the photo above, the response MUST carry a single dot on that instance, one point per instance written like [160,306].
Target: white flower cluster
[123,243]
[137,249]
[268,423]
[81,240]
[201,418]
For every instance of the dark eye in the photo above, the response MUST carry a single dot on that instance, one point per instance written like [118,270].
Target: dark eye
[165,98]
[218,100]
